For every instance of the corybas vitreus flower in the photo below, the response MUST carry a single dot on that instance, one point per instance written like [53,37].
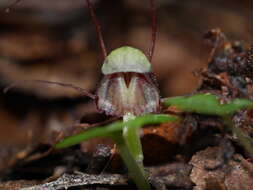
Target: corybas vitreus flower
[128,85]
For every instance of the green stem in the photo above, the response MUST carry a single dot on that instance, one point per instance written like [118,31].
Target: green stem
[136,171]
[133,142]
[132,138]
[244,141]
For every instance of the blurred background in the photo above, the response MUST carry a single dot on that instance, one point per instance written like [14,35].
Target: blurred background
[56,41]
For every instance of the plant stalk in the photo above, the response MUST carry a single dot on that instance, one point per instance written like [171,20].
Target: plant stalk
[243,140]
[135,169]
[132,139]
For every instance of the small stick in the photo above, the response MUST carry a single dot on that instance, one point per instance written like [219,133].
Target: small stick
[83,91]
[98,28]
[80,179]
[154,30]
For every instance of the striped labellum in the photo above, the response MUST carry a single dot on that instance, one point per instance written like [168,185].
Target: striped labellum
[128,85]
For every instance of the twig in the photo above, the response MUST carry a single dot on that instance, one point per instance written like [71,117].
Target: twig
[80,179]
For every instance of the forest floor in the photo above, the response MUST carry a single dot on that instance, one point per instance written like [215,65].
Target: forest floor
[56,41]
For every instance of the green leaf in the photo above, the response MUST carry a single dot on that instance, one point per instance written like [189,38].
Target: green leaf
[207,104]
[109,130]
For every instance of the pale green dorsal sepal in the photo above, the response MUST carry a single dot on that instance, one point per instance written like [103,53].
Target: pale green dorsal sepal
[126,59]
